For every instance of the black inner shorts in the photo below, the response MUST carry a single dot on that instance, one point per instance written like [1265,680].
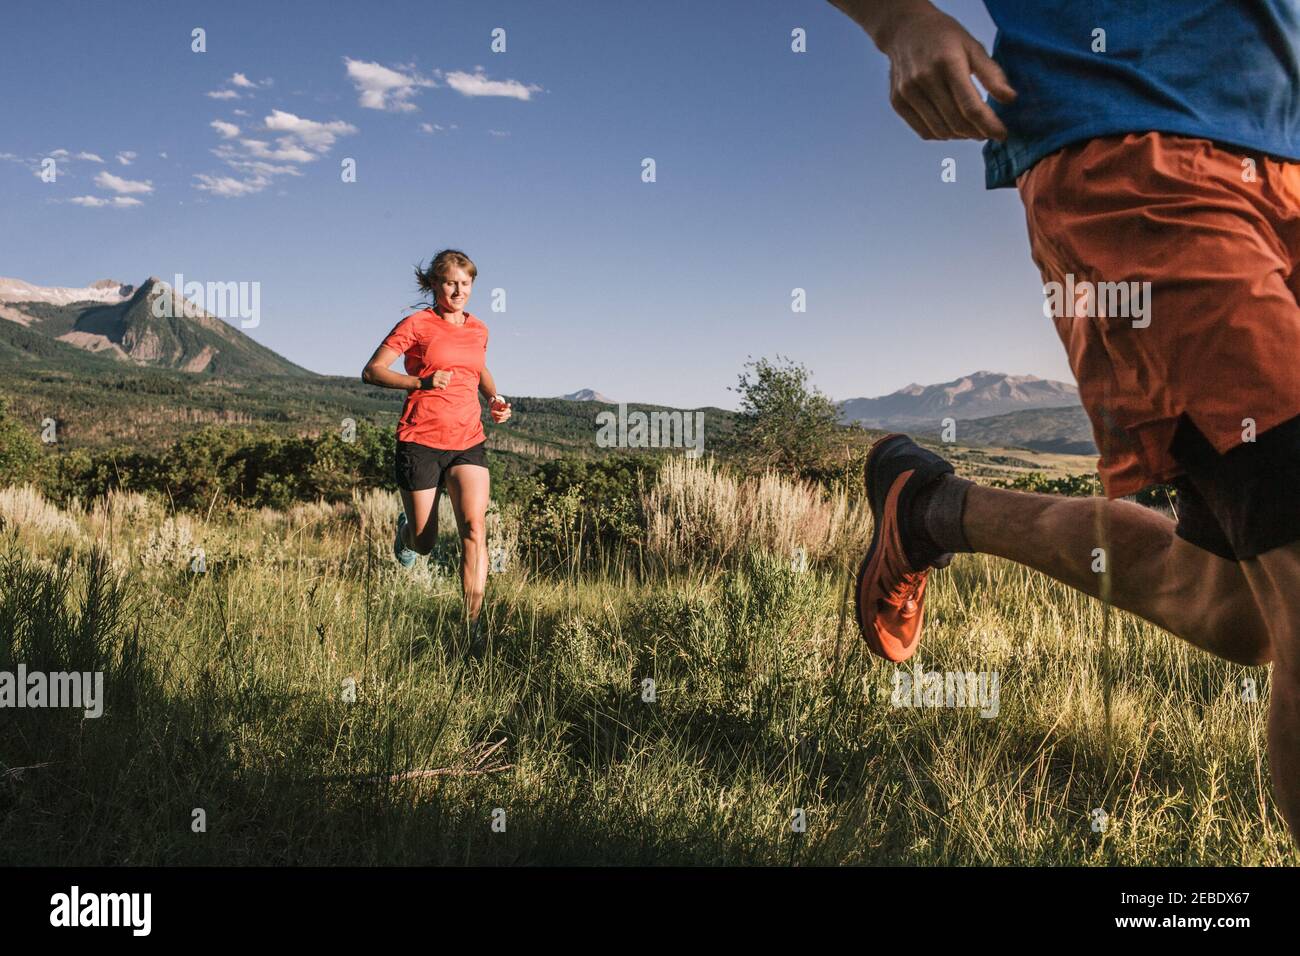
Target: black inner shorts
[1243,503]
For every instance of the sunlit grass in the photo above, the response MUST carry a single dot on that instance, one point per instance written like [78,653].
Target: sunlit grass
[225,693]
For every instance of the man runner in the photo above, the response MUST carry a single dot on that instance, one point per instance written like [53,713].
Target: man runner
[1152,142]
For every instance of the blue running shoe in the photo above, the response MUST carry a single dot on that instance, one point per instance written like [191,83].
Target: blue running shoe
[405,556]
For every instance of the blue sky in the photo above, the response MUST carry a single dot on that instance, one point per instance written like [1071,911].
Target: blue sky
[775,170]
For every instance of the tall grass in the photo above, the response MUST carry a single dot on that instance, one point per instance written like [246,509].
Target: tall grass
[697,512]
[226,695]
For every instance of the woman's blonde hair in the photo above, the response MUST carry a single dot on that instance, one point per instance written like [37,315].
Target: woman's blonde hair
[443,262]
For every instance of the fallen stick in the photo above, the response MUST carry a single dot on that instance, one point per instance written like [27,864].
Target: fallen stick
[17,772]
[460,770]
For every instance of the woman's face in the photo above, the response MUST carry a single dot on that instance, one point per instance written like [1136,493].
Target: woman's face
[454,288]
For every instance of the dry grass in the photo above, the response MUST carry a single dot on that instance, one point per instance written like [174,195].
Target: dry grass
[24,508]
[763,702]
[697,511]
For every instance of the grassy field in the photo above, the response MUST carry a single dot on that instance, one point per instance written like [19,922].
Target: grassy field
[228,687]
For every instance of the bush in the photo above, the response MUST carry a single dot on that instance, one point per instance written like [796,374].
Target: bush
[235,465]
[20,452]
[1074,486]
[782,422]
[577,511]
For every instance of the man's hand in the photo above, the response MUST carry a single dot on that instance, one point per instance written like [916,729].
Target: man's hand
[931,59]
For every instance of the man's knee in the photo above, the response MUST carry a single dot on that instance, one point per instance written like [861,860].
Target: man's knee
[1233,628]
[1210,602]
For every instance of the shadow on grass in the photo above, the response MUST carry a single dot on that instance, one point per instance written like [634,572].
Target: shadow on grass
[175,771]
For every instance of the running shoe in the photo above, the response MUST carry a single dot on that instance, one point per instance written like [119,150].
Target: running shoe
[891,581]
[405,556]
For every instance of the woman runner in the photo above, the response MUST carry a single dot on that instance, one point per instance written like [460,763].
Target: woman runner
[440,437]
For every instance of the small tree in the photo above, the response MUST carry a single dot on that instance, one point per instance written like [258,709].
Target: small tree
[20,452]
[784,423]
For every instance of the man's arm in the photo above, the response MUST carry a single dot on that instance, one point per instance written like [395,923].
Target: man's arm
[880,18]
[931,60]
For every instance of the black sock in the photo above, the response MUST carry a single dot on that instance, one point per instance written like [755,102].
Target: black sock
[936,515]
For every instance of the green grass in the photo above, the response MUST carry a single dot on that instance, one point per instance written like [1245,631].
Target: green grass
[224,692]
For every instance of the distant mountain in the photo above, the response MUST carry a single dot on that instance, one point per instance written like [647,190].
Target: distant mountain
[105,290]
[980,395]
[118,321]
[587,395]
[1061,430]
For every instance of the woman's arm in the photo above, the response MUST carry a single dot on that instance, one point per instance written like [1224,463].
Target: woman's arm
[488,386]
[377,372]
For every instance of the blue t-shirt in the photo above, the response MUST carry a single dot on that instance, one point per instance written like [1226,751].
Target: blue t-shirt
[1226,70]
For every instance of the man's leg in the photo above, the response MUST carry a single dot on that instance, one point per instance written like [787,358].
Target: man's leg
[1274,579]
[1196,595]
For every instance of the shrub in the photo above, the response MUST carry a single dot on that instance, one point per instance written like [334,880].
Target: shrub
[782,422]
[20,452]
[576,511]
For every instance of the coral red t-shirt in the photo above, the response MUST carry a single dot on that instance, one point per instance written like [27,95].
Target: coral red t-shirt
[447,418]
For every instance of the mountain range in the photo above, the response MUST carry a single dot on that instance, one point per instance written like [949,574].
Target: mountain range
[65,349]
[979,395]
[121,321]
[587,395]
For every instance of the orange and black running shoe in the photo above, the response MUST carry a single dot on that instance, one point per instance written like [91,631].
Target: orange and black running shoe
[891,582]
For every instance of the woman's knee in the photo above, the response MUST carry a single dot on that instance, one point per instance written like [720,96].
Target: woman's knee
[474,530]
[426,539]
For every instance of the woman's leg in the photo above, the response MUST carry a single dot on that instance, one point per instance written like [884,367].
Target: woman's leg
[421,531]
[469,487]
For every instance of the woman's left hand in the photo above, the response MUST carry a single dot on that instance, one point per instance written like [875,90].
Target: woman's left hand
[500,410]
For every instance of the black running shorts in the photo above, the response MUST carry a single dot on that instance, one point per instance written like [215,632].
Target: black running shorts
[418,467]
[1244,502]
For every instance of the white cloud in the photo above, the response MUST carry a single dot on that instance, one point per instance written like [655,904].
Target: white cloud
[118,185]
[258,167]
[94,202]
[240,112]
[90,157]
[477,84]
[59,153]
[286,152]
[243,82]
[498,132]
[229,187]
[258,162]
[316,135]
[382,88]
[126,157]
[223,95]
